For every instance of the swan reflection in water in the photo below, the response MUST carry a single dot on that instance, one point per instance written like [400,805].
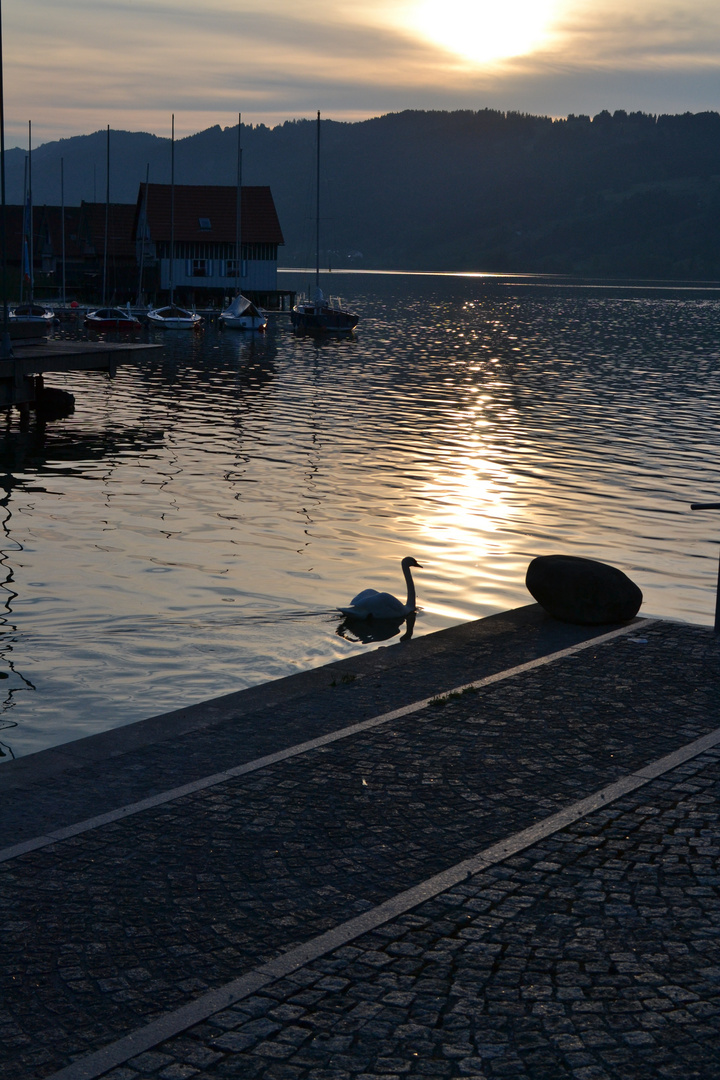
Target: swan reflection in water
[369,630]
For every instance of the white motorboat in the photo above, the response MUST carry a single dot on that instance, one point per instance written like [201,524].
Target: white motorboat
[173,317]
[242,314]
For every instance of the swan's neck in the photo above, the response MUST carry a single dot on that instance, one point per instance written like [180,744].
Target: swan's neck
[410,602]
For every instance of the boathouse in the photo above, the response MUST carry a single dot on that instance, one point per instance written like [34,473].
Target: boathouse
[89,248]
[201,223]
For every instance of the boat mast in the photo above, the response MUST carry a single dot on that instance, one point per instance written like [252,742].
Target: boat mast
[5,348]
[317,206]
[24,257]
[31,256]
[172,208]
[238,213]
[144,235]
[62,226]
[107,218]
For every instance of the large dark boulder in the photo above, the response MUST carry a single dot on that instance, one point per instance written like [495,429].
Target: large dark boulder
[582,591]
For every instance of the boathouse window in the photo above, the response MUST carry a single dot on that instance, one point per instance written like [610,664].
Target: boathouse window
[200,268]
[204,223]
[231,268]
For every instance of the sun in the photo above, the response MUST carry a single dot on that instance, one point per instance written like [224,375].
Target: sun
[484,31]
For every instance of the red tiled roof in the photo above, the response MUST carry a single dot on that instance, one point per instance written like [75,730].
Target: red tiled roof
[218,207]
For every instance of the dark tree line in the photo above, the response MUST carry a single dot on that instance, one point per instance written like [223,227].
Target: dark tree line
[627,194]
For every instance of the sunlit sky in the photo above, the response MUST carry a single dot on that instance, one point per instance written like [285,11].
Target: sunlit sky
[75,66]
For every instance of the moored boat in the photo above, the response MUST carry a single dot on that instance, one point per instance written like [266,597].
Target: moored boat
[111,319]
[173,317]
[242,314]
[321,316]
[33,313]
[30,321]
[318,315]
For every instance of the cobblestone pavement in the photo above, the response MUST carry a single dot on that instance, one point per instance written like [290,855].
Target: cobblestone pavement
[594,955]
[106,931]
[130,763]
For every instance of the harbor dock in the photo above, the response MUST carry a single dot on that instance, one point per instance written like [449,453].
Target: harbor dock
[487,852]
[30,361]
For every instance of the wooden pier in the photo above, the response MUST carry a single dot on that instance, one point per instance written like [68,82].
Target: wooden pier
[20,373]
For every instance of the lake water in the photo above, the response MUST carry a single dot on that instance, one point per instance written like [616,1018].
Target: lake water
[190,529]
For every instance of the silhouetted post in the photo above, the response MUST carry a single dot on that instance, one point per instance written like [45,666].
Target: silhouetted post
[712,506]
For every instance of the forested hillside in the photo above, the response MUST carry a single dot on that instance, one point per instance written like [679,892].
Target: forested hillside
[615,195]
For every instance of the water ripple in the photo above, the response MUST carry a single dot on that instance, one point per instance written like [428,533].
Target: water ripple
[191,528]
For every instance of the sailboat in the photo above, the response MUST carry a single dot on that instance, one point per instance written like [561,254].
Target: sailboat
[29,319]
[241,314]
[318,315]
[173,317]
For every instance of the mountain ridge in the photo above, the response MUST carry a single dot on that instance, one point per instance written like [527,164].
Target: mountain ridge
[627,194]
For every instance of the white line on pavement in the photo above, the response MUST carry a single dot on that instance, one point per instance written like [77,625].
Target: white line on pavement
[55,835]
[94,1065]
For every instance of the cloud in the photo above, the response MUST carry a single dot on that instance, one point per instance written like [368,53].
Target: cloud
[133,62]
[639,35]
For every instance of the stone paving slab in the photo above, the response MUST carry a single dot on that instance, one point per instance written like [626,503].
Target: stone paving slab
[104,932]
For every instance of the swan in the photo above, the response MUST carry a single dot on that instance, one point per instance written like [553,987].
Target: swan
[371,604]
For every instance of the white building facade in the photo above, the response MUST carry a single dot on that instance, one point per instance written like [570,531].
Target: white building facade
[199,226]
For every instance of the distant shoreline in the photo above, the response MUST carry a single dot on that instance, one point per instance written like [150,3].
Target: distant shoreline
[531,280]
